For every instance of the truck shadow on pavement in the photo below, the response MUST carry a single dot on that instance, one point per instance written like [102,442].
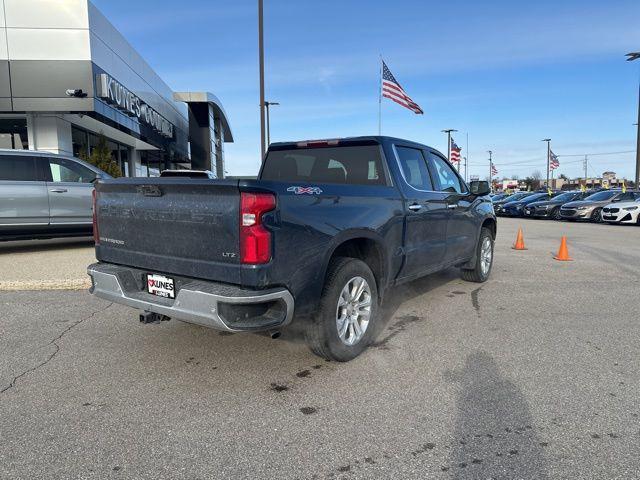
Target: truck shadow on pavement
[396,297]
[494,434]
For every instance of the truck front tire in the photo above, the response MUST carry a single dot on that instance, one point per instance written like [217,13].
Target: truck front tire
[483,260]
[345,323]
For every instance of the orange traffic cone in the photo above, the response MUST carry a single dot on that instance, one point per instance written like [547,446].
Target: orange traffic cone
[563,253]
[519,245]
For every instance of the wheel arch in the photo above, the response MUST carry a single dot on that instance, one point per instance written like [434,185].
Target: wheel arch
[365,246]
[491,224]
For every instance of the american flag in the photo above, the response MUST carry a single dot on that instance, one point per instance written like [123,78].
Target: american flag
[391,89]
[554,162]
[494,170]
[455,152]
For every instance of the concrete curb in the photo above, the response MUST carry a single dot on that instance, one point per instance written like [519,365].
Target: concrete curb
[75,284]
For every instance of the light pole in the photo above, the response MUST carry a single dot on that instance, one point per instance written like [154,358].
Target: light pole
[490,168]
[448,132]
[466,169]
[548,140]
[586,165]
[630,58]
[261,67]
[267,105]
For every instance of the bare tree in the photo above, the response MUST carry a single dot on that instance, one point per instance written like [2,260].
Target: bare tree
[533,182]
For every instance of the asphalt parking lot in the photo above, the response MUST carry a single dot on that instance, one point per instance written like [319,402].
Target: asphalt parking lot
[53,264]
[534,374]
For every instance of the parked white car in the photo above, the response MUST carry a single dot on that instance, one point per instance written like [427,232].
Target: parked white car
[622,212]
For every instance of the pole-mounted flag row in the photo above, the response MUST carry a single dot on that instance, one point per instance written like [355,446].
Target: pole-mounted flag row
[391,89]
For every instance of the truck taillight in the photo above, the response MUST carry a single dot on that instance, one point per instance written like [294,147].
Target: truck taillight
[96,235]
[255,240]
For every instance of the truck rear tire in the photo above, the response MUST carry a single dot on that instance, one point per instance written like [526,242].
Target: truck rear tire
[345,323]
[483,261]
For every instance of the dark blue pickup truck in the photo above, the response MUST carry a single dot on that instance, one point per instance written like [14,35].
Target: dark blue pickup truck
[321,237]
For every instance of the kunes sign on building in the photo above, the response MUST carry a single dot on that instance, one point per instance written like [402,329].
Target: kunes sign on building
[116,94]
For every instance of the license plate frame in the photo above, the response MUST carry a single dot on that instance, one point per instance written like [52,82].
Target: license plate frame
[161,286]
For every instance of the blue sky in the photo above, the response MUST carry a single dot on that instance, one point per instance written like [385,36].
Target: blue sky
[508,73]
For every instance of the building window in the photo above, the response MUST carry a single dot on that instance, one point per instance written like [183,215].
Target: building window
[80,141]
[152,163]
[84,142]
[124,160]
[13,134]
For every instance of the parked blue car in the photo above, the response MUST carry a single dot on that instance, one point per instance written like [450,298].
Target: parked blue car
[516,209]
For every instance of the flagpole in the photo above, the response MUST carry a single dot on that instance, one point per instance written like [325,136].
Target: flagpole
[380,100]
[548,140]
[466,162]
[490,167]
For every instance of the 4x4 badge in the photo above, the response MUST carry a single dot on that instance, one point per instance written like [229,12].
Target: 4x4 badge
[305,190]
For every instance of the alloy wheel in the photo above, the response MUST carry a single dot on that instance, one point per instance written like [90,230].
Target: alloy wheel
[486,256]
[353,311]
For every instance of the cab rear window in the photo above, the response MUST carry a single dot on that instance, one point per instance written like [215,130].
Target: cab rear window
[350,165]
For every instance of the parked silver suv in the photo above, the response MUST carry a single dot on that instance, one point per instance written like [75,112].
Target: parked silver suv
[45,195]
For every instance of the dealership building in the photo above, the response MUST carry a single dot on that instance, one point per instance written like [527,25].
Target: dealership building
[68,77]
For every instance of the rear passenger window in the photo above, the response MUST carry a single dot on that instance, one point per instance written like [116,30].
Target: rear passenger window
[64,170]
[445,176]
[627,196]
[414,168]
[18,168]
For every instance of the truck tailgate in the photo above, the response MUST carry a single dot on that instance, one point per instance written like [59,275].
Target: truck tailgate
[171,225]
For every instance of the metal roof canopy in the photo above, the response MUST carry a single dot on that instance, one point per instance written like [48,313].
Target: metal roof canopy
[211,99]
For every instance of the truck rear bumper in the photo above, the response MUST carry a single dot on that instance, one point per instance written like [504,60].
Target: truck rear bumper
[211,304]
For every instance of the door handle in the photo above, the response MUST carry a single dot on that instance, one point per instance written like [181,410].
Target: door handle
[452,205]
[415,207]
[58,190]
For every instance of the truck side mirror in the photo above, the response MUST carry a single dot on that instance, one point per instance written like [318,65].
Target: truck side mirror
[479,188]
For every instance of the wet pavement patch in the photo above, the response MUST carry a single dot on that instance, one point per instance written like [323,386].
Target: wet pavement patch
[475,300]
[398,327]
[425,447]
[276,387]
